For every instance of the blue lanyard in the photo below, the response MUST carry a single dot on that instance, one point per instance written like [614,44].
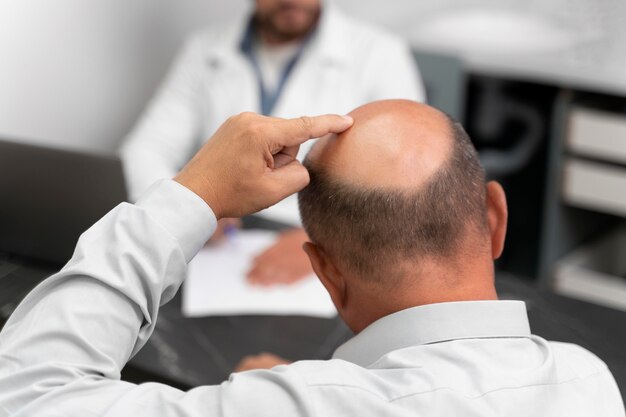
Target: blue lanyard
[268,98]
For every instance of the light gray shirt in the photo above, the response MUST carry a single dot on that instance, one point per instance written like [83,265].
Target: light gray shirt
[62,350]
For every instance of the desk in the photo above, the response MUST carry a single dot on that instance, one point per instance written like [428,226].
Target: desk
[187,352]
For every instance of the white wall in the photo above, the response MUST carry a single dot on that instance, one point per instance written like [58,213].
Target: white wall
[76,73]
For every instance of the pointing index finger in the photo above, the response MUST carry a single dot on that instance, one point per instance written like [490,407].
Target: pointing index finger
[294,132]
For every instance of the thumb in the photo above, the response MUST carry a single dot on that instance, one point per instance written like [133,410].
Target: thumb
[287,180]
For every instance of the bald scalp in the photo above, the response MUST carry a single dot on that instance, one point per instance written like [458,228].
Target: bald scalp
[394,144]
[377,224]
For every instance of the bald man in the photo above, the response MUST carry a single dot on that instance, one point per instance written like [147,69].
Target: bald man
[403,233]
[398,206]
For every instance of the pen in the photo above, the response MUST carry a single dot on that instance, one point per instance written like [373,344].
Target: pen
[230,231]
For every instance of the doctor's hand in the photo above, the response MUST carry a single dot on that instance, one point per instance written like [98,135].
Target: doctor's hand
[250,162]
[285,262]
[260,361]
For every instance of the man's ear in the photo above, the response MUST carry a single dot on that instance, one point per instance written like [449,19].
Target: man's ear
[497,216]
[328,273]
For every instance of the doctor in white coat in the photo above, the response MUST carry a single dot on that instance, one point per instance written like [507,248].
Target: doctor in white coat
[286,59]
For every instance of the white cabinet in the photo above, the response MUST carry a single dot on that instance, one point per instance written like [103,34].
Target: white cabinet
[597,134]
[593,177]
[595,186]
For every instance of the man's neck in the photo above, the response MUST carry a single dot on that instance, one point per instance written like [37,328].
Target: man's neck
[411,299]
[433,286]
[271,39]
[277,47]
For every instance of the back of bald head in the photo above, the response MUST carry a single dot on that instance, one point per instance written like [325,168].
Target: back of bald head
[403,185]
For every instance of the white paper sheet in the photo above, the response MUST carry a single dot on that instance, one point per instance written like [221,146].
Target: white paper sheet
[216,284]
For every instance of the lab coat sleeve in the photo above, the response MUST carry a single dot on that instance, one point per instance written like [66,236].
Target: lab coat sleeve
[394,72]
[168,132]
[62,350]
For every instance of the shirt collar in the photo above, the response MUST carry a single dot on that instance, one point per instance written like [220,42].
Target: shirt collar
[434,323]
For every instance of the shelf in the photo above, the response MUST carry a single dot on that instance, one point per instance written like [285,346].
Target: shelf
[595,272]
[597,134]
[594,186]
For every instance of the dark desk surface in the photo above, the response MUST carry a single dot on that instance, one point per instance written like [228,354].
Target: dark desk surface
[189,352]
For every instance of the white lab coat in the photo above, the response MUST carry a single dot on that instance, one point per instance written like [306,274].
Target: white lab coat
[346,64]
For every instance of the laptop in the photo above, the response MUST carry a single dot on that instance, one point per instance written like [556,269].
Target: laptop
[48,198]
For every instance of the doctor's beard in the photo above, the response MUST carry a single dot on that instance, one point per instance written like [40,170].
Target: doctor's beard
[286,20]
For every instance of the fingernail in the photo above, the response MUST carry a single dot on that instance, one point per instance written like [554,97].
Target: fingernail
[348,118]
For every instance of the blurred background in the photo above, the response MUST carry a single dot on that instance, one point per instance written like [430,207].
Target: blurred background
[540,86]
[76,75]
